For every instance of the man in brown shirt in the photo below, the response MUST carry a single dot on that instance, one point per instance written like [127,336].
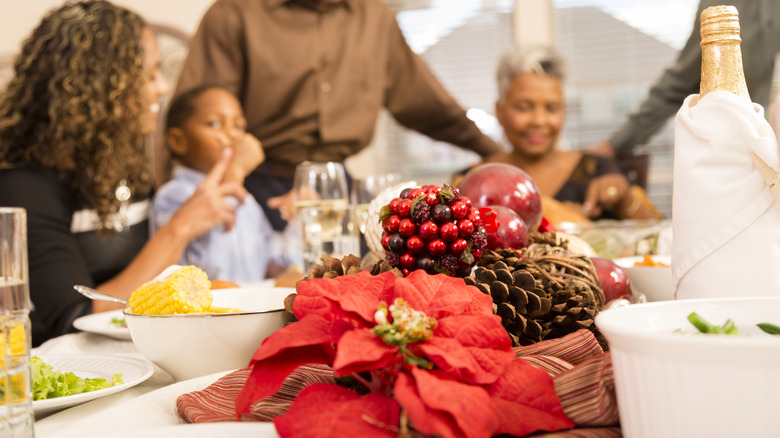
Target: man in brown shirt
[313,75]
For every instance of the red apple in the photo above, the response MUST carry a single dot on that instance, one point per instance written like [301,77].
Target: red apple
[506,185]
[511,229]
[613,279]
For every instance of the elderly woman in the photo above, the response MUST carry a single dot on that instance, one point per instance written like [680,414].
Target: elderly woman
[73,119]
[531,109]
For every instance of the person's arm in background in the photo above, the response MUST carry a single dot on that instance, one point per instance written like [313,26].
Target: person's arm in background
[609,189]
[663,101]
[419,101]
[215,55]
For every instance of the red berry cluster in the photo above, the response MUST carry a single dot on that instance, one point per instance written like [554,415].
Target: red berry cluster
[432,228]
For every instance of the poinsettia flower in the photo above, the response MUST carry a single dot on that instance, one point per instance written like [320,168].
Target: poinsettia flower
[344,415]
[429,343]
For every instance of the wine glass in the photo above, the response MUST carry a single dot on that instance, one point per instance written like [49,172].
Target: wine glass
[365,189]
[321,202]
[317,182]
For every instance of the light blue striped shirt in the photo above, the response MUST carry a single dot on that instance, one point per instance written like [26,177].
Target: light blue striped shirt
[241,255]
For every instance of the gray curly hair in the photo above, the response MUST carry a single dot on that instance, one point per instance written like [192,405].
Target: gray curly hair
[544,61]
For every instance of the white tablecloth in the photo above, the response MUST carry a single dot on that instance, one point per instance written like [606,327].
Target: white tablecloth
[145,410]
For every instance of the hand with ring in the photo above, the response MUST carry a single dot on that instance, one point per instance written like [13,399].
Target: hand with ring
[604,193]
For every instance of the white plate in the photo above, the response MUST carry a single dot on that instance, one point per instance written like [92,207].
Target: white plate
[100,323]
[203,430]
[134,371]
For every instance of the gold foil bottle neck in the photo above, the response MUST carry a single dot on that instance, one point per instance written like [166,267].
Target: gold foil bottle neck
[721,63]
[719,23]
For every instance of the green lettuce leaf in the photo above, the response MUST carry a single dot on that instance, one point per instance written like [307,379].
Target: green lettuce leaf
[50,383]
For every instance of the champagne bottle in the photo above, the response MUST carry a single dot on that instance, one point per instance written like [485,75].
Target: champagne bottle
[721,55]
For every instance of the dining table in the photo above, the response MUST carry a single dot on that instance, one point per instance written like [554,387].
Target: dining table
[147,409]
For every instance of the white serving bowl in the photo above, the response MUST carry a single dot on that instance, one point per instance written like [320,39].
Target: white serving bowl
[194,345]
[653,281]
[693,385]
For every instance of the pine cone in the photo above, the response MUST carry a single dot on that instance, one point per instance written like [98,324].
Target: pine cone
[332,267]
[547,293]
[548,237]
[517,299]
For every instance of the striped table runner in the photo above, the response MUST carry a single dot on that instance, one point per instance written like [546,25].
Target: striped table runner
[581,371]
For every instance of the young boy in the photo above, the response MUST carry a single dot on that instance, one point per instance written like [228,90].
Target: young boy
[201,123]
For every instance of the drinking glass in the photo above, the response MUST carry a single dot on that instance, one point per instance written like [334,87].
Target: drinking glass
[16,411]
[321,202]
[364,190]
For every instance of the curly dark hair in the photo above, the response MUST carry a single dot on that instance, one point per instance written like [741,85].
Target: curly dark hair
[75,103]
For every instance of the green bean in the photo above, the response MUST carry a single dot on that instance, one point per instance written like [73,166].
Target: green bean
[701,324]
[728,328]
[769,328]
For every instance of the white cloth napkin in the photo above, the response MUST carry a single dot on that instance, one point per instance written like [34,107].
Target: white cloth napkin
[726,220]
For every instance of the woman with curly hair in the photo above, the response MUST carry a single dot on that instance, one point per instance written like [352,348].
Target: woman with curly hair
[73,121]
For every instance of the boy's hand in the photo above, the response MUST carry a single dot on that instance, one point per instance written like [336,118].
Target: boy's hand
[247,155]
[211,203]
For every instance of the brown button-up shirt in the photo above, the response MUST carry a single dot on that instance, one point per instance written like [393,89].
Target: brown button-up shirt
[313,80]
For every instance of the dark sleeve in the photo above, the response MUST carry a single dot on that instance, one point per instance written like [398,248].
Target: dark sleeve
[606,166]
[216,52]
[55,262]
[665,97]
[419,101]
[589,168]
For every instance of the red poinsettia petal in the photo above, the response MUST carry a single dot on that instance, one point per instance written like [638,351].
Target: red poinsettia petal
[468,406]
[423,419]
[440,295]
[525,401]
[362,350]
[483,331]
[489,219]
[268,375]
[326,411]
[307,341]
[472,349]
[357,296]
[306,332]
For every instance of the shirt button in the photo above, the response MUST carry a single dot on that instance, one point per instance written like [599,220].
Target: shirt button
[325,87]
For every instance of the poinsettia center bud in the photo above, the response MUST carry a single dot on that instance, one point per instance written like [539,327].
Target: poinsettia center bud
[408,325]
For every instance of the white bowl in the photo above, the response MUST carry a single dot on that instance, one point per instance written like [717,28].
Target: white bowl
[693,385]
[194,345]
[653,281]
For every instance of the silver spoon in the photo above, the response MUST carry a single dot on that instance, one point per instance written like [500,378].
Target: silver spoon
[97,295]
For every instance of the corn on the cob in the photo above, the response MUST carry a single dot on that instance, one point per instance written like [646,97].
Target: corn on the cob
[187,290]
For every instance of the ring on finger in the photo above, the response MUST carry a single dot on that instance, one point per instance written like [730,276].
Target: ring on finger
[611,192]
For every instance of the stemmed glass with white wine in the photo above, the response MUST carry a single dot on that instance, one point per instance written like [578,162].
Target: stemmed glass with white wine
[365,189]
[321,201]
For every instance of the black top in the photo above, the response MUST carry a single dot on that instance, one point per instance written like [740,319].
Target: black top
[58,258]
